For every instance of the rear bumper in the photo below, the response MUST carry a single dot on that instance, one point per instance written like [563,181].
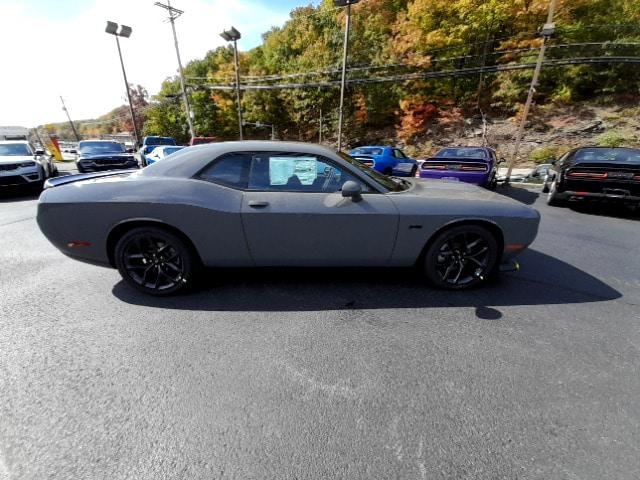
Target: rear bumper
[475,178]
[576,196]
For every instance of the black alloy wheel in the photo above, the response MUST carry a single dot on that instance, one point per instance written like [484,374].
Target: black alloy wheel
[461,257]
[155,261]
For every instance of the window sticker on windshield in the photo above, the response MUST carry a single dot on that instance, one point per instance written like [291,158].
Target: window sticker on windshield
[281,169]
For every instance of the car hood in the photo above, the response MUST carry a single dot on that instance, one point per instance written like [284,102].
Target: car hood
[450,190]
[7,159]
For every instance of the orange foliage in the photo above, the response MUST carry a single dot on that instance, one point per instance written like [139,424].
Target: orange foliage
[416,113]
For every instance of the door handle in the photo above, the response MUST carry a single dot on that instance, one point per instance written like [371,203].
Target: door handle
[257,204]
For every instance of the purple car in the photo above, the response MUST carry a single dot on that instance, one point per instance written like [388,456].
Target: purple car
[476,165]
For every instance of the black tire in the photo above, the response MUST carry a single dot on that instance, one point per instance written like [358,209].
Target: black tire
[80,169]
[552,196]
[414,170]
[155,261]
[387,171]
[461,257]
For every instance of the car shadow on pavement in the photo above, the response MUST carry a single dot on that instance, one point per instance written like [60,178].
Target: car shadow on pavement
[543,280]
[521,194]
[607,210]
[18,195]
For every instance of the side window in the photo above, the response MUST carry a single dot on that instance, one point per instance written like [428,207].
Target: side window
[230,170]
[291,172]
[398,153]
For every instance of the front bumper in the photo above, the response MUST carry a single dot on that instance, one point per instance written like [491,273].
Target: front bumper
[90,166]
[21,176]
[404,169]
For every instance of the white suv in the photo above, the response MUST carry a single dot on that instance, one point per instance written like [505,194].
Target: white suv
[21,165]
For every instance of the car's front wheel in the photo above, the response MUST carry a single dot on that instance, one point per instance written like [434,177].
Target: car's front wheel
[552,196]
[155,261]
[461,257]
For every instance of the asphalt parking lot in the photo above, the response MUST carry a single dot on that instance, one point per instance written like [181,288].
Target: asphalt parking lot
[326,374]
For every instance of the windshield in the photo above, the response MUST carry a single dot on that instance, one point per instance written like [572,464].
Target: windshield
[390,183]
[366,151]
[101,147]
[15,149]
[462,153]
[159,141]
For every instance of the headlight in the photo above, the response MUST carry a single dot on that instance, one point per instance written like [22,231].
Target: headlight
[28,164]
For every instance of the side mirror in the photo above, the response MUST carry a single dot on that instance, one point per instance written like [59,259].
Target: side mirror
[130,150]
[39,152]
[353,190]
[553,162]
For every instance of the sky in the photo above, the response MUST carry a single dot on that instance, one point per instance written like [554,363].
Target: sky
[53,48]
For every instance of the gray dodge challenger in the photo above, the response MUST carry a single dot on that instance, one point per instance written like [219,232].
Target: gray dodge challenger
[255,204]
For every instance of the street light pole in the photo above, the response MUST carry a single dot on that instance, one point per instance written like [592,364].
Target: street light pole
[173,14]
[235,56]
[342,3]
[73,127]
[124,31]
[547,31]
[233,35]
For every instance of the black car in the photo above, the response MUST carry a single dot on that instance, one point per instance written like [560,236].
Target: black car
[99,155]
[595,173]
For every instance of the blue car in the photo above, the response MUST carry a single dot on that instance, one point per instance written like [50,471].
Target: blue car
[151,142]
[161,152]
[386,160]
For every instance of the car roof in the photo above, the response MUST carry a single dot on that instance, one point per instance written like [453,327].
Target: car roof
[99,140]
[14,141]
[372,146]
[190,160]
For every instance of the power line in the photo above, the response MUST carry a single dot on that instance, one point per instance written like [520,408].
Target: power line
[465,58]
[426,75]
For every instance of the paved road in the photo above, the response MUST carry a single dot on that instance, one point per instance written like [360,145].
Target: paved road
[287,374]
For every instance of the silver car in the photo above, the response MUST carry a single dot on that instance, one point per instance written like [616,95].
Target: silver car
[258,204]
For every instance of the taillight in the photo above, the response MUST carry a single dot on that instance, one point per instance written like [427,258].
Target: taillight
[469,168]
[433,166]
[589,175]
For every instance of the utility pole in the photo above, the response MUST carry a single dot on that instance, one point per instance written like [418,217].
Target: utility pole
[73,127]
[345,51]
[173,14]
[547,31]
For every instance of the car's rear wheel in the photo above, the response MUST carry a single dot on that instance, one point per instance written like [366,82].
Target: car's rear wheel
[461,257]
[155,261]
